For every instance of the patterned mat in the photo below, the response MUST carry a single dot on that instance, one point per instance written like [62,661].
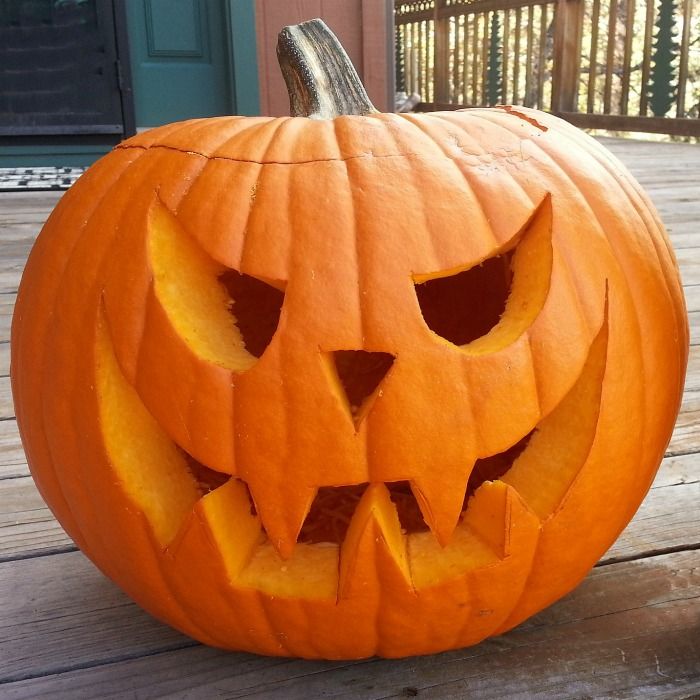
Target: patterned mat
[12,179]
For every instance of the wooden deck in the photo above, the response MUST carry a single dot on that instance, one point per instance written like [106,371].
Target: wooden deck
[631,630]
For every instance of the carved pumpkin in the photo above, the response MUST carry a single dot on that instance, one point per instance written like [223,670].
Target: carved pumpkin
[370,384]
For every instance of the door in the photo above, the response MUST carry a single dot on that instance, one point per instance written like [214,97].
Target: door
[179,60]
[59,69]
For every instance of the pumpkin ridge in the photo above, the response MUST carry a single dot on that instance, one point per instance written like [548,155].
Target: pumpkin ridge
[51,472]
[262,175]
[87,486]
[411,119]
[132,369]
[648,214]
[593,209]
[584,199]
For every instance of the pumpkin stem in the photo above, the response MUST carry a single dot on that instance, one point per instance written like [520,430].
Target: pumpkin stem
[321,80]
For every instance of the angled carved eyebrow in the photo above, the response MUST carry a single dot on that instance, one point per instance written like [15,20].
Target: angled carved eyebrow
[203,300]
[487,306]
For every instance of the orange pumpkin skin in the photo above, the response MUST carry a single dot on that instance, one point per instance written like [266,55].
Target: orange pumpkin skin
[115,374]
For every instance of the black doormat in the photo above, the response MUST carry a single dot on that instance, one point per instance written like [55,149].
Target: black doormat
[17,179]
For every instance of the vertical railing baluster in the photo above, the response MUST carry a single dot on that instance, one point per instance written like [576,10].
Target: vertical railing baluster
[422,62]
[593,68]
[440,46]
[646,58]
[541,57]
[453,62]
[516,57]
[399,60]
[475,59]
[683,63]
[505,68]
[630,9]
[485,59]
[528,62]
[610,57]
[566,68]
[462,35]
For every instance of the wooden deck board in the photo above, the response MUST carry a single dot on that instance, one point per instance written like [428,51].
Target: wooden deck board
[632,629]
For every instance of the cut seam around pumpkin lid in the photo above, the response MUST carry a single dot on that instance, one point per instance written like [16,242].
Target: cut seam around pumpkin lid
[531,263]
[477,158]
[260,161]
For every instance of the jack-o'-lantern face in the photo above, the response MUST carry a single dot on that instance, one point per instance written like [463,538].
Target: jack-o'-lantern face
[323,377]
[383,385]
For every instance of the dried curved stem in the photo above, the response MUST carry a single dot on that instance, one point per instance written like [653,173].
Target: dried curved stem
[321,80]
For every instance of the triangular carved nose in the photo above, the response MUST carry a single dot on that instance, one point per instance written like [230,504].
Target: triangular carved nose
[360,373]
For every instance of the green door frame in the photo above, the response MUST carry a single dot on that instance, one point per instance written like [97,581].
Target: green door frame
[243,56]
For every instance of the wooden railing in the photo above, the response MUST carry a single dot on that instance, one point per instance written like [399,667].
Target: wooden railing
[627,65]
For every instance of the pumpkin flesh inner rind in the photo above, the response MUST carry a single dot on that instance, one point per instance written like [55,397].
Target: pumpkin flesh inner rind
[186,284]
[151,469]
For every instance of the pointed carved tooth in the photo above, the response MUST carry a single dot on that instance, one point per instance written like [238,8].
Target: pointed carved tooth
[495,513]
[441,499]
[282,506]
[233,526]
[374,551]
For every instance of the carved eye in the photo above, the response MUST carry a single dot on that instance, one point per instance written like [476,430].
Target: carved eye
[467,305]
[255,307]
[489,305]
[201,298]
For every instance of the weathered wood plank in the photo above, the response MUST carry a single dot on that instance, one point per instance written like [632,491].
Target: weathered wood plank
[11,274]
[60,609]
[667,519]
[27,525]
[25,206]
[674,471]
[18,239]
[694,321]
[7,306]
[4,359]
[692,377]
[692,296]
[13,462]
[686,434]
[7,409]
[689,263]
[629,630]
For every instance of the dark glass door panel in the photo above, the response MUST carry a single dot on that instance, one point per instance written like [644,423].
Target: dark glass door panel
[58,68]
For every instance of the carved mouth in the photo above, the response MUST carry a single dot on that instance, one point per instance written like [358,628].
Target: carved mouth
[524,484]
[333,508]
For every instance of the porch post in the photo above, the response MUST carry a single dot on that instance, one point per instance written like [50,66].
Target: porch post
[567,43]
[441,55]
